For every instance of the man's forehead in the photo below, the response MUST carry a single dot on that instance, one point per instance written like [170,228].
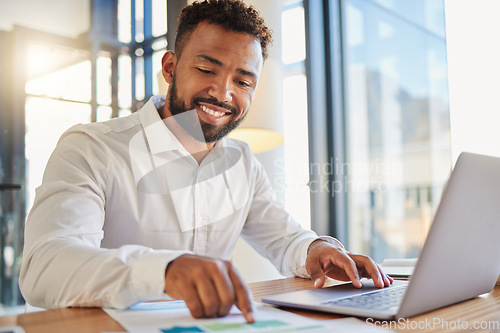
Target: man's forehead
[222,44]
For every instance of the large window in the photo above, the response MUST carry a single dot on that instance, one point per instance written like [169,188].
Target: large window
[397,122]
[387,116]
[111,76]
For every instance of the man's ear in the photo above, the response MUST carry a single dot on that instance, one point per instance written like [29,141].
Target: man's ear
[168,63]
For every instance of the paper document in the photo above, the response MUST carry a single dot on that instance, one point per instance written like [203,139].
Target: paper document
[399,268]
[174,317]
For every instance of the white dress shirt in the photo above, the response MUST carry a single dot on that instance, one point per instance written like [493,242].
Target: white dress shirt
[121,199]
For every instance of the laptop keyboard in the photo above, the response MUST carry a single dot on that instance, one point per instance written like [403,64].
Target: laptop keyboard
[382,299]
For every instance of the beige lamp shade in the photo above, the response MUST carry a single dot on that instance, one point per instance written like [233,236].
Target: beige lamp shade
[259,139]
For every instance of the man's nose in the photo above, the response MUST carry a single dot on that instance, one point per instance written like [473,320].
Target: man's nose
[222,90]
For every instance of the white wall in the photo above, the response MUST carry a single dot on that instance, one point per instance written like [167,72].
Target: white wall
[472,32]
[67,18]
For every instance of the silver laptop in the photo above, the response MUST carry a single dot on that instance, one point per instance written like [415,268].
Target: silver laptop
[460,258]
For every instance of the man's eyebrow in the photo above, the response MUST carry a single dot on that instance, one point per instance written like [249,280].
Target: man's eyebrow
[247,73]
[218,63]
[209,59]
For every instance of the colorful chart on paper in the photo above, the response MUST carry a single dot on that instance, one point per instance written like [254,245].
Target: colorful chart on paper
[259,326]
[175,317]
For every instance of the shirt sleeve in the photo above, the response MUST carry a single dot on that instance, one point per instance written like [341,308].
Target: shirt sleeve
[273,232]
[63,264]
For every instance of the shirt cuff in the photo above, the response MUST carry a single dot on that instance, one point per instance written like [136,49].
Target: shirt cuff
[301,271]
[328,239]
[148,273]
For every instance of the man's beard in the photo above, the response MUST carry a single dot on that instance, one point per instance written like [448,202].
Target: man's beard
[210,133]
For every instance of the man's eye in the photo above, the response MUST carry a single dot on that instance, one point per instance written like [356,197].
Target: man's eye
[244,84]
[204,71]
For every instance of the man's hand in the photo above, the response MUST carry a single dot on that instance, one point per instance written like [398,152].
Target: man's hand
[326,259]
[209,286]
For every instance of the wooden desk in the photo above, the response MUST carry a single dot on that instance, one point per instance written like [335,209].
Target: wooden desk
[483,309]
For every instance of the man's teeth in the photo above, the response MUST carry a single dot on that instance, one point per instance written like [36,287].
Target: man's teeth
[212,112]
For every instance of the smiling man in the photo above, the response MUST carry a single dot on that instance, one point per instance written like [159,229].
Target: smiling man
[136,207]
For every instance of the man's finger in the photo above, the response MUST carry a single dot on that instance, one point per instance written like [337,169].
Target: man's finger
[208,296]
[349,267]
[193,302]
[224,288]
[242,294]
[316,273]
[371,269]
[387,279]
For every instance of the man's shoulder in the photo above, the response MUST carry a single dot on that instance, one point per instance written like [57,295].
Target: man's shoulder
[115,125]
[98,136]
[238,144]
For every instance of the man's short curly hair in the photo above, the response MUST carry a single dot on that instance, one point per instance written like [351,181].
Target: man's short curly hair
[232,15]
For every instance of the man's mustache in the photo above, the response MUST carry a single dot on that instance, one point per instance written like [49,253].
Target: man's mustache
[216,102]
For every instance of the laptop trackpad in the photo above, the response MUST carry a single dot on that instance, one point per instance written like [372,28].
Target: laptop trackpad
[318,296]
[341,291]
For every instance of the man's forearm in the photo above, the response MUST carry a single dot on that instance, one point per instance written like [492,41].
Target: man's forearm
[61,273]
